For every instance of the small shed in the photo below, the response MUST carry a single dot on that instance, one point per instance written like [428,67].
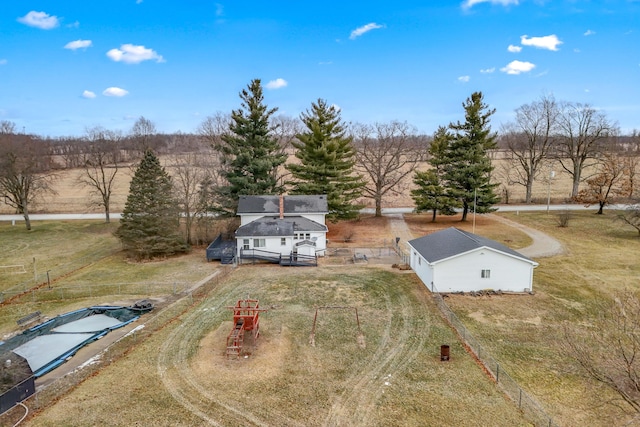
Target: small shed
[453,260]
[306,247]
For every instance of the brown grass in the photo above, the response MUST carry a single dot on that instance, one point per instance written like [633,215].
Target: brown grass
[70,196]
[180,377]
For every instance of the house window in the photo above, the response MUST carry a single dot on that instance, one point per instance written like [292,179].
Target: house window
[283,241]
[419,261]
[295,236]
[307,236]
[245,244]
[485,274]
[259,243]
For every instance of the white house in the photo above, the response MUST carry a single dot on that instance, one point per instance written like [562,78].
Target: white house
[284,225]
[453,260]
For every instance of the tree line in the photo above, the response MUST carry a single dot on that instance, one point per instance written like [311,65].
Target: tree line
[245,152]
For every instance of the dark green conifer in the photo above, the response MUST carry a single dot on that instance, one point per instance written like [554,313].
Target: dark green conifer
[150,222]
[431,192]
[250,152]
[466,163]
[327,158]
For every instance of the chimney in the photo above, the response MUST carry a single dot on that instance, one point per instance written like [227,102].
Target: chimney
[281,206]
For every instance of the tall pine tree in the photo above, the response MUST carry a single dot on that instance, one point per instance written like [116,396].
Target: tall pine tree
[150,222]
[250,152]
[431,192]
[467,166]
[327,158]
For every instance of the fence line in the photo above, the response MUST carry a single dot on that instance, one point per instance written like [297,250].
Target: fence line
[530,408]
[185,298]
[43,294]
[41,274]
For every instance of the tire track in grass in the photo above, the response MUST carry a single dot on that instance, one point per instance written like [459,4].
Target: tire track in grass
[176,375]
[395,351]
[178,378]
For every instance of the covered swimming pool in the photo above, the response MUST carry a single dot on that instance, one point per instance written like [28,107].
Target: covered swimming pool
[49,344]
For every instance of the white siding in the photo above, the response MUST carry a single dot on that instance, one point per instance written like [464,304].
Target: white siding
[247,218]
[463,273]
[272,244]
[422,268]
[315,217]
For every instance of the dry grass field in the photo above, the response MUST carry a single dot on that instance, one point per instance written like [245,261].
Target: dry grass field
[176,373]
[70,196]
[179,376]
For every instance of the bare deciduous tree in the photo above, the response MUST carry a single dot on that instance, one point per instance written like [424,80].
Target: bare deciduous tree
[582,133]
[101,164]
[609,182]
[608,350]
[25,165]
[142,133]
[529,139]
[631,216]
[188,171]
[387,153]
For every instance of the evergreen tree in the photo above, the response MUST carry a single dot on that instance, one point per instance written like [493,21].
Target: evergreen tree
[430,192]
[250,153]
[327,159]
[150,222]
[467,166]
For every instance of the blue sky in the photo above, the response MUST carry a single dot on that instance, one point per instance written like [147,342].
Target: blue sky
[69,65]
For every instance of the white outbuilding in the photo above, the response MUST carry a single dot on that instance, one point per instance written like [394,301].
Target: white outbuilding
[453,260]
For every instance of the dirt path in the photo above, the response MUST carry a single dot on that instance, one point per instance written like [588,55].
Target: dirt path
[400,229]
[543,245]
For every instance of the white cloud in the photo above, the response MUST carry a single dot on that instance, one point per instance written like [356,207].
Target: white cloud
[219,10]
[74,25]
[488,70]
[276,84]
[3,61]
[40,20]
[132,54]
[364,29]
[464,79]
[467,4]
[514,49]
[115,91]
[518,67]
[78,44]
[546,42]
[589,33]
[88,94]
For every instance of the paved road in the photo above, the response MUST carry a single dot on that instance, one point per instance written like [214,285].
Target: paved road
[386,211]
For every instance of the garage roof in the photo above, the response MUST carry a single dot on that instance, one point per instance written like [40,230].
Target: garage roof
[453,241]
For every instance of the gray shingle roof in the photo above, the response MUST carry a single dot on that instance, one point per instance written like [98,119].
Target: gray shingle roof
[274,226]
[292,204]
[453,241]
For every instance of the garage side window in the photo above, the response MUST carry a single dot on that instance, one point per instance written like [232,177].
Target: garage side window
[485,274]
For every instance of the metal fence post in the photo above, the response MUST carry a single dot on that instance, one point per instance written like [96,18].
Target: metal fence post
[520,398]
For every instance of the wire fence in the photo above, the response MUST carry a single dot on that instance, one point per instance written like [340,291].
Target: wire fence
[86,290]
[37,272]
[531,409]
[186,297]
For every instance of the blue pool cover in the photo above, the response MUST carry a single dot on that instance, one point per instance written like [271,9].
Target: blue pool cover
[49,344]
